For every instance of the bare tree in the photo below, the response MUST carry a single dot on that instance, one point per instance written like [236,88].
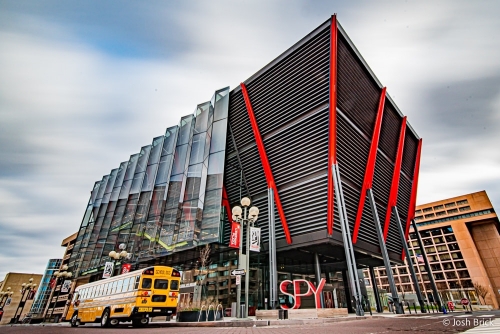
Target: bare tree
[204,263]
[481,291]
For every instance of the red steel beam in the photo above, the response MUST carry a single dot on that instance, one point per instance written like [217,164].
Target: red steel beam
[393,195]
[265,162]
[225,203]
[413,198]
[332,140]
[370,165]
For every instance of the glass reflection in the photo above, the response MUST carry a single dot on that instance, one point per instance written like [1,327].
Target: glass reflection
[219,136]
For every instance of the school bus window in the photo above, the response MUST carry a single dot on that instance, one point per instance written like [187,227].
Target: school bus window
[174,285]
[132,284]
[113,287]
[126,284]
[161,284]
[119,286]
[146,283]
[159,298]
[137,278]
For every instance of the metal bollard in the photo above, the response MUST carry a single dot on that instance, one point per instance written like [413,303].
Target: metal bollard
[415,308]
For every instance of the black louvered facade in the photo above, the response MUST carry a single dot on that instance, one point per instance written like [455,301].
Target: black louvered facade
[290,99]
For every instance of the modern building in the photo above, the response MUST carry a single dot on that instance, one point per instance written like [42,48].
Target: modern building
[306,138]
[24,286]
[462,243]
[53,306]
[44,291]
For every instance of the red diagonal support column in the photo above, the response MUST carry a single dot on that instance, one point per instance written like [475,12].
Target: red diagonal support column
[370,165]
[393,195]
[225,203]
[332,137]
[265,162]
[413,198]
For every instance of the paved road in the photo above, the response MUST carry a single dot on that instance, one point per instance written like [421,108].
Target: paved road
[431,324]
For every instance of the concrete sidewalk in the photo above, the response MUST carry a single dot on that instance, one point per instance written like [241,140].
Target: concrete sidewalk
[253,322]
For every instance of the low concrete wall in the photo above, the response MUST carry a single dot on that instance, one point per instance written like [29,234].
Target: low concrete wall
[267,314]
[304,313]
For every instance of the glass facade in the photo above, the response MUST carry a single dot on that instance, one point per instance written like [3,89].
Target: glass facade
[44,290]
[164,199]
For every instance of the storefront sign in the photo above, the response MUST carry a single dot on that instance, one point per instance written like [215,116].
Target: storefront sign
[126,268]
[66,286]
[108,270]
[255,239]
[234,241]
[311,289]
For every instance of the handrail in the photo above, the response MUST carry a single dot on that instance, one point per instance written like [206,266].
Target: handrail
[208,311]
[221,312]
[201,310]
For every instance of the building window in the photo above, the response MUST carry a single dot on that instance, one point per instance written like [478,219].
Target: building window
[431,215]
[447,230]
[462,202]
[442,248]
[427,210]
[453,246]
[450,205]
[465,208]
[436,231]
[418,212]
[447,266]
[463,274]
[436,266]
[459,264]
[452,211]
[440,213]
[457,255]
[418,218]
[438,207]
[450,238]
[438,240]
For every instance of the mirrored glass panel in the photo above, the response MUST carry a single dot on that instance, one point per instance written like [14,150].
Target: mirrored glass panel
[219,136]
[185,130]
[170,140]
[154,155]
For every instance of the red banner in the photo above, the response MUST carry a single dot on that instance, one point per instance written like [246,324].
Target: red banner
[234,241]
[126,268]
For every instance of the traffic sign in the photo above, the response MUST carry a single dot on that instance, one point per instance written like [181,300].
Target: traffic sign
[237,272]
[238,279]
[464,301]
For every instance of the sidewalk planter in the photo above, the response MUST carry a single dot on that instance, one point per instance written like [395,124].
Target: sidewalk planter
[187,316]
[193,316]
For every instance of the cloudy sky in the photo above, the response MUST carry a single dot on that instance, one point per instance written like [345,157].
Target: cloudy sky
[85,84]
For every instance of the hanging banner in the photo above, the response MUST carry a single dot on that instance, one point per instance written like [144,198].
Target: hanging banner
[126,268]
[255,239]
[66,286]
[8,301]
[234,241]
[108,270]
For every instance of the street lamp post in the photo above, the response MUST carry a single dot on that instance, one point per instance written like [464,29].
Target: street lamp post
[4,295]
[247,220]
[60,276]
[115,256]
[26,288]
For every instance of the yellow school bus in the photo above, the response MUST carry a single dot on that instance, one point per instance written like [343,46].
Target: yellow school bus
[136,296]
